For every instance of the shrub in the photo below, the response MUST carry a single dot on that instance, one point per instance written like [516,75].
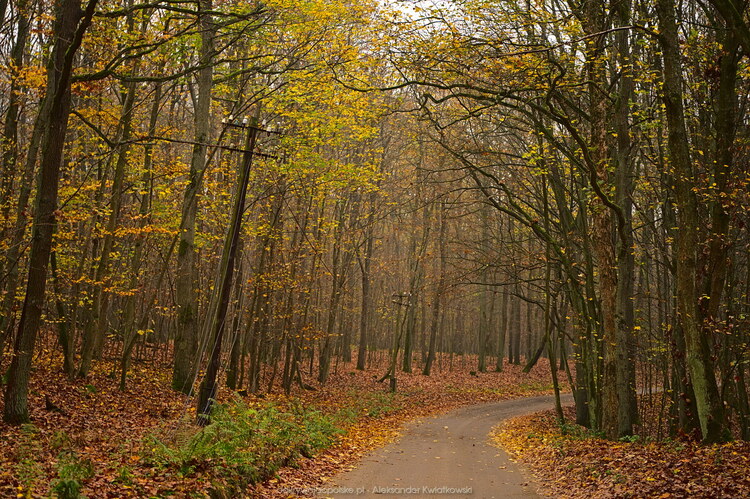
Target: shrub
[245,444]
[28,470]
[73,472]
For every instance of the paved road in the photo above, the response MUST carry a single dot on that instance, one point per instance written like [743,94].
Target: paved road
[445,456]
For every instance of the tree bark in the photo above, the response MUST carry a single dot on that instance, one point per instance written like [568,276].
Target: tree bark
[625,339]
[186,334]
[70,26]
[435,322]
[700,366]
[365,264]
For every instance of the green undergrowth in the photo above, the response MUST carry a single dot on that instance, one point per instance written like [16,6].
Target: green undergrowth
[577,432]
[243,443]
[72,470]
[27,468]
[247,443]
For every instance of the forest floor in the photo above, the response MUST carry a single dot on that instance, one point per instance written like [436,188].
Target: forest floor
[98,441]
[569,461]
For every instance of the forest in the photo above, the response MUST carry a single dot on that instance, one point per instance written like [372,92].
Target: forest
[233,204]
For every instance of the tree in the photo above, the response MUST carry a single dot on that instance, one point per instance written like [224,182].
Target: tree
[186,335]
[701,367]
[70,26]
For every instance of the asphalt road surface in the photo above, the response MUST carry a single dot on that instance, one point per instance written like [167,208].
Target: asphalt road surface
[448,456]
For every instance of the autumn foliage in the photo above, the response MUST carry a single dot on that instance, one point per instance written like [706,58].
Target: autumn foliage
[143,442]
[239,199]
[571,461]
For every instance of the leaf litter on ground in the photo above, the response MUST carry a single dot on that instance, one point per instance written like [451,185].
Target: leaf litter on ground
[571,462]
[100,433]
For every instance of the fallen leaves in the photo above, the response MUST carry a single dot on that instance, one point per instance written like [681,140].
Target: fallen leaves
[580,465]
[418,396]
[107,427]
[100,423]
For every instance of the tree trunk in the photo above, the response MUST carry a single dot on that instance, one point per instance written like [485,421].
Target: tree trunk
[10,155]
[337,277]
[625,338]
[70,25]
[186,334]
[725,129]
[435,321]
[483,331]
[365,262]
[96,328]
[9,139]
[129,326]
[502,329]
[700,365]
[615,404]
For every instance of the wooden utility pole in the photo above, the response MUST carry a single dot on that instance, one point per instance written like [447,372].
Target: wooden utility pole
[208,388]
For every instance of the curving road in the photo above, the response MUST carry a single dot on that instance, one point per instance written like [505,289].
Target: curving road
[445,456]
